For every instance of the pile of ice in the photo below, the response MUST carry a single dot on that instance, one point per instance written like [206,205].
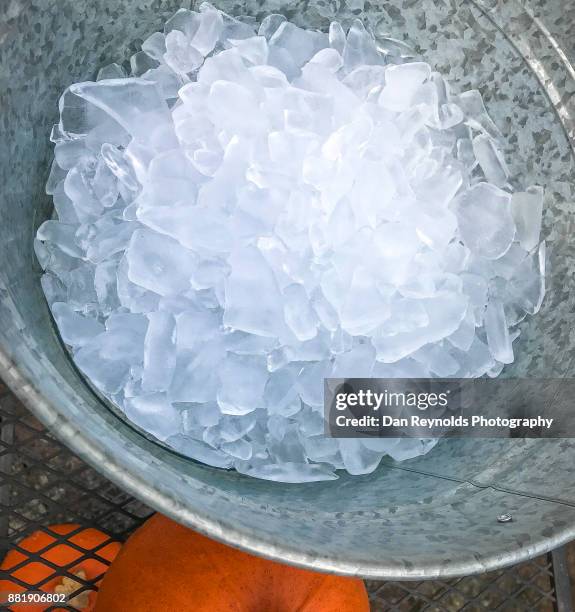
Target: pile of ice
[257,208]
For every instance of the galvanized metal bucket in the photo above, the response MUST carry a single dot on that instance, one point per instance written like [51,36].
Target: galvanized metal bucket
[428,517]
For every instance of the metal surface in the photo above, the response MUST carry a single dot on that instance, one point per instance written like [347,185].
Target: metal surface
[428,517]
[46,483]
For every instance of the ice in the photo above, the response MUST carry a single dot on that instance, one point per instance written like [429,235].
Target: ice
[210,27]
[437,359]
[445,313]
[131,296]
[181,55]
[286,472]
[119,166]
[158,263]
[242,116]
[105,284]
[337,37]
[239,449]
[280,393]
[61,235]
[357,458]
[527,287]
[200,451]
[196,324]
[360,48]
[135,104]
[77,116]
[242,382]
[55,178]
[75,329]
[302,321]
[270,24]
[476,115]
[155,46]
[232,428]
[154,413]
[53,288]
[111,71]
[183,20]
[527,210]
[254,49]
[159,352]
[252,297]
[195,375]
[491,160]
[140,63]
[108,358]
[498,339]
[402,82]
[70,152]
[291,47]
[485,221]
[366,307]
[257,207]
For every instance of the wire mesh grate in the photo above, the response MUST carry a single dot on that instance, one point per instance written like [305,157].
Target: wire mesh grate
[42,483]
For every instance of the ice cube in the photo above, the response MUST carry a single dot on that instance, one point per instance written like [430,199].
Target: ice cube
[75,329]
[242,382]
[210,27]
[445,314]
[280,393]
[111,71]
[298,313]
[471,102]
[53,288]
[485,221]
[158,263]
[491,160]
[242,116]
[497,332]
[252,298]
[296,44]
[181,55]
[337,37]
[360,48]
[196,374]
[285,472]
[527,210]
[106,360]
[402,82]
[141,62]
[155,414]
[270,24]
[254,49]
[135,104]
[60,234]
[155,46]
[357,458]
[119,166]
[200,451]
[159,352]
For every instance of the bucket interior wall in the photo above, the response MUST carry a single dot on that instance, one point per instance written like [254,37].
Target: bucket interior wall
[431,516]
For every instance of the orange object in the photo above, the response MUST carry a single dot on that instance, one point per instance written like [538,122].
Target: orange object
[165,567]
[61,555]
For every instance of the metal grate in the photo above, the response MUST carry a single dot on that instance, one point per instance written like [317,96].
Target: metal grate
[42,483]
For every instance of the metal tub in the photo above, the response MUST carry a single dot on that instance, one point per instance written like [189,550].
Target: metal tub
[428,517]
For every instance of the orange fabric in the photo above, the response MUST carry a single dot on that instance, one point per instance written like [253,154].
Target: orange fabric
[165,567]
[61,555]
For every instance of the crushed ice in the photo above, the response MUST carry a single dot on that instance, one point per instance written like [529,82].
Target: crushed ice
[256,208]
